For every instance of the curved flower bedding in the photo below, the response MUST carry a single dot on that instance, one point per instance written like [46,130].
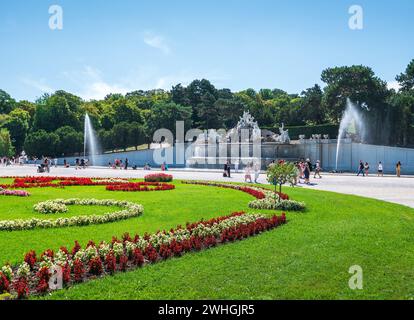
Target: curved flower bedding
[130,210]
[265,198]
[78,265]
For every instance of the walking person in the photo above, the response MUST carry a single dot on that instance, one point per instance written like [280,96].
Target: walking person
[310,165]
[256,172]
[47,165]
[398,169]
[380,169]
[306,172]
[236,166]
[126,164]
[228,169]
[225,170]
[366,168]
[318,170]
[299,172]
[248,173]
[361,168]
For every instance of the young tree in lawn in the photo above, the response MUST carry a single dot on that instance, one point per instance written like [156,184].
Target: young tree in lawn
[279,173]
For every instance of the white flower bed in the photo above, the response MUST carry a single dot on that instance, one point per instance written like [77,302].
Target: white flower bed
[50,206]
[273,202]
[130,210]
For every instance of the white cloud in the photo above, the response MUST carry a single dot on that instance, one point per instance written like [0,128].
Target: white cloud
[92,85]
[186,77]
[39,84]
[394,85]
[157,42]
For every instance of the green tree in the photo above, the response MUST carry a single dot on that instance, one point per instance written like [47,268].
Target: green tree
[70,141]
[360,85]
[125,111]
[281,172]
[120,135]
[58,110]
[164,116]
[208,113]
[18,126]
[406,79]
[41,143]
[198,94]
[311,105]
[7,103]
[6,147]
[136,135]
[230,110]
[106,140]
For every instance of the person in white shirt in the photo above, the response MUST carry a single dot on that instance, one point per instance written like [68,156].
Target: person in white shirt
[256,172]
[380,169]
[248,173]
[236,166]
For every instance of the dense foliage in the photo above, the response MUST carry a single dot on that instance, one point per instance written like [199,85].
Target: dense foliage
[53,125]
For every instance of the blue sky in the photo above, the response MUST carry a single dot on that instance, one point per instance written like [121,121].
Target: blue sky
[123,45]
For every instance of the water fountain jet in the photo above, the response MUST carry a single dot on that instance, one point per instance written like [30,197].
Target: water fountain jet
[90,142]
[351,120]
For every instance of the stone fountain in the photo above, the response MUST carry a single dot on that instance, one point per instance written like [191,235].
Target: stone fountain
[245,143]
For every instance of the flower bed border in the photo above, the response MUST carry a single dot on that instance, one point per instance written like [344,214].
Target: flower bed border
[131,210]
[79,265]
[14,193]
[61,182]
[265,198]
[158,177]
[140,187]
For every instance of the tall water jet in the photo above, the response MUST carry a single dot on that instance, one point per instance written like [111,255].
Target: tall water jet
[90,143]
[351,123]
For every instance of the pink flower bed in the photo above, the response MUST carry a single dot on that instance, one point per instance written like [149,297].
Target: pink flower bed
[14,193]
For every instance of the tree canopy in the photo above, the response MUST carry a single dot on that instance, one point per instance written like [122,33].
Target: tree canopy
[53,124]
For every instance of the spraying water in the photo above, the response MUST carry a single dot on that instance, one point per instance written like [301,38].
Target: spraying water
[90,143]
[351,123]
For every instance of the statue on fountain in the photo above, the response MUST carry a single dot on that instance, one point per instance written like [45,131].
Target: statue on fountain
[246,122]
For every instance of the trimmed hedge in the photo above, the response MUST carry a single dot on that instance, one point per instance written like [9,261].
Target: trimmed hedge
[308,131]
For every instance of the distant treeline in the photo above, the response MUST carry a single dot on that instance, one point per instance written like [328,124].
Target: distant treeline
[53,124]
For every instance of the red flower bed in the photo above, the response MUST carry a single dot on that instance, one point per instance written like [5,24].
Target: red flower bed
[255,193]
[140,186]
[60,182]
[241,226]
[158,177]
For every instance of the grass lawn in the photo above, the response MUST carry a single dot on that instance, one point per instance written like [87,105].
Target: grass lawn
[308,258]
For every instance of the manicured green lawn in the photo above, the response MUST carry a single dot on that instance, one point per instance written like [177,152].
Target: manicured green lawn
[308,258]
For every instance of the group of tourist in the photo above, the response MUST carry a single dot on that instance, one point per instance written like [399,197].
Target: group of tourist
[305,169]
[251,168]
[6,161]
[363,168]
[45,164]
[119,164]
